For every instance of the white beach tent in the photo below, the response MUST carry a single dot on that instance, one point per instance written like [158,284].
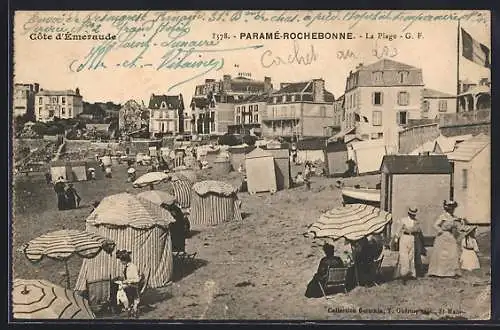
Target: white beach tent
[368,155]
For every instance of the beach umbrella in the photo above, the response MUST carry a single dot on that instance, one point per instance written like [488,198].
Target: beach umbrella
[150,179]
[63,244]
[157,197]
[353,222]
[40,299]
[131,170]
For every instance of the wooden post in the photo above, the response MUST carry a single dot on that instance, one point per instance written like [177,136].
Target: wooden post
[356,277]
[68,284]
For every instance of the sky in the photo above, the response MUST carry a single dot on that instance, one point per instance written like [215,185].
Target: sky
[47,62]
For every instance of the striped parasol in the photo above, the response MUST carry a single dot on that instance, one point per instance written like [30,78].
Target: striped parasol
[63,244]
[353,222]
[157,197]
[150,179]
[39,299]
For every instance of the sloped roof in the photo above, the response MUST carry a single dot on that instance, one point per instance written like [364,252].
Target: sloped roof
[434,94]
[386,64]
[468,149]
[258,153]
[415,164]
[447,144]
[264,97]
[297,87]
[171,101]
[69,92]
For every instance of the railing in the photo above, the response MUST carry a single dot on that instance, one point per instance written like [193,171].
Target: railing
[465,118]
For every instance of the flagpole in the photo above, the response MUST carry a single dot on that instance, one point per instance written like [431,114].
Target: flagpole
[458,65]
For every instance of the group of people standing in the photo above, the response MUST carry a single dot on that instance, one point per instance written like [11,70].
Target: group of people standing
[454,248]
[67,196]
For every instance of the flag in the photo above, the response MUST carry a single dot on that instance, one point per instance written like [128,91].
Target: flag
[475,51]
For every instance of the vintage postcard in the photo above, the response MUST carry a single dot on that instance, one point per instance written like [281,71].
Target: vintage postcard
[251,165]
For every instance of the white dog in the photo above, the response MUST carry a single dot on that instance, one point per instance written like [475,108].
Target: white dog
[121,296]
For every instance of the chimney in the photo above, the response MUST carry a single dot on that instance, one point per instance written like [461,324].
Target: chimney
[318,90]
[77,91]
[36,87]
[268,86]
[226,82]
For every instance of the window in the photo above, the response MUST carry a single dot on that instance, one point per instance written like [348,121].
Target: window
[63,111]
[377,98]
[293,98]
[212,127]
[374,136]
[443,106]
[40,112]
[40,100]
[51,113]
[292,110]
[256,108]
[464,178]
[69,112]
[403,76]
[250,108]
[238,119]
[425,106]
[377,76]
[63,100]
[256,118]
[283,99]
[275,99]
[377,118]
[402,117]
[250,119]
[53,99]
[403,98]
[380,135]
[238,110]
[157,114]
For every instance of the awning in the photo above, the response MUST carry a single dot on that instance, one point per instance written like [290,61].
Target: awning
[341,134]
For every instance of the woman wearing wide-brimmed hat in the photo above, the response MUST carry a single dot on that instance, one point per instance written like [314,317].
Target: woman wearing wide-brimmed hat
[444,260]
[469,260]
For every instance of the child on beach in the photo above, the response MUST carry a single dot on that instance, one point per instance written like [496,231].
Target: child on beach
[469,260]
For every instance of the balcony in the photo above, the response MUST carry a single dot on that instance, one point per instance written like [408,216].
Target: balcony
[465,118]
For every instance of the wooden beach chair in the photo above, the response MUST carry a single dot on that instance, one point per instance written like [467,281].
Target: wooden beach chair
[336,278]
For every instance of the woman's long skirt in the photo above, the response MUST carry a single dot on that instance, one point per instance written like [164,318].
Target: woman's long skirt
[444,260]
[406,260]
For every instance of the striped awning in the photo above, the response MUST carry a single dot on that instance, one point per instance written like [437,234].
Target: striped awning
[39,299]
[353,222]
[62,244]
[125,209]
[150,178]
[217,187]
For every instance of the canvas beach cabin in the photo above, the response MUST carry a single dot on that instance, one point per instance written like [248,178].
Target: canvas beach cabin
[415,180]
[471,179]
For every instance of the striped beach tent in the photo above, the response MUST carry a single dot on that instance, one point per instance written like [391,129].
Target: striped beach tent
[181,186]
[213,202]
[134,224]
[353,222]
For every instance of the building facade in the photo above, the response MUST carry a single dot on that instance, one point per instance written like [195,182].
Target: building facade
[338,112]
[58,104]
[299,110]
[24,99]
[380,99]
[132,117]
[213,104]
[248,114]
[436,103]
[166,114]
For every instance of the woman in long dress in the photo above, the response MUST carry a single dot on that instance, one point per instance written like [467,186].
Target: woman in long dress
[444,260]
[469,260]
[409,228]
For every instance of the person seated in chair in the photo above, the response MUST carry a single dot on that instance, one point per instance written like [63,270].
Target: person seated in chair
[330,260]
[130,282]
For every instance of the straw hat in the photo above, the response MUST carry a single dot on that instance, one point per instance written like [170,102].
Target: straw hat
[470,229]
[412,211]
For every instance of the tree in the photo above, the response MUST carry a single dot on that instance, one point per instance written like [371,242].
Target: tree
[249,139]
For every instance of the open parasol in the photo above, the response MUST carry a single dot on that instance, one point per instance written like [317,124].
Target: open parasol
[150,179]
[352,222]
[63,244]
[39,299]
[157,197]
